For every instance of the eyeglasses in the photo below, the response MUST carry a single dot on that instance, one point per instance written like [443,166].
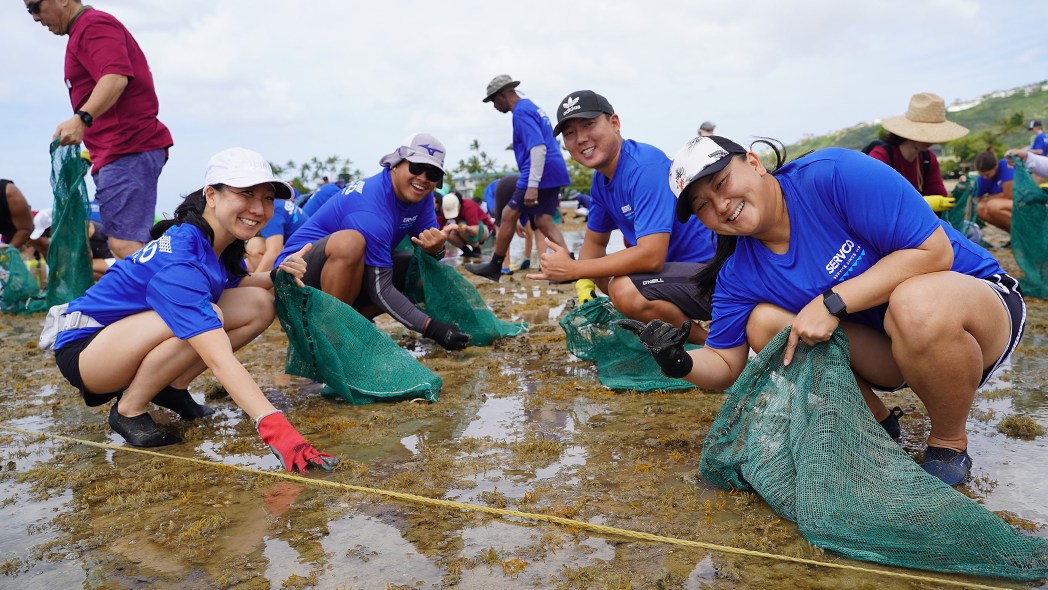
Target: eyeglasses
[433,173]
[34,7]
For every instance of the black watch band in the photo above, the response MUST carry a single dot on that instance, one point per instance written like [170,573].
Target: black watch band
[834,304]
[86,118]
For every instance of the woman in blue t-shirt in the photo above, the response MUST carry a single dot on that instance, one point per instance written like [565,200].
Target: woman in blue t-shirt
[995,182]
[179,305]
[835,238]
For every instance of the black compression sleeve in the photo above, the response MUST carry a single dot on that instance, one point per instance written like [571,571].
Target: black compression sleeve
[378,283]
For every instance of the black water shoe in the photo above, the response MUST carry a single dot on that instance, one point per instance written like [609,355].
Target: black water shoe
[486,270]
[183,404]
[140,431]
[891,423]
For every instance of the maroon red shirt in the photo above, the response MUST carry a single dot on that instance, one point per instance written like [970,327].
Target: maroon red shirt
[911,171]
[100,45]
[470,213]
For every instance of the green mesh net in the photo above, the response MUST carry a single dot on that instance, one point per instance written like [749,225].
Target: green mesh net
[69,255]
[1030,232]
[442,293]
[19,291]
[592,334]
[963,217]
[329,342]
[802,437]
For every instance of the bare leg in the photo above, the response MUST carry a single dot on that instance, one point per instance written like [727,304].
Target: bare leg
[255,250]
[343,272]
[632,304]
[124,248]
[546,225]
[510,216]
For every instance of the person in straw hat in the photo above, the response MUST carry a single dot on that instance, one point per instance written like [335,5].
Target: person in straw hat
[905,148]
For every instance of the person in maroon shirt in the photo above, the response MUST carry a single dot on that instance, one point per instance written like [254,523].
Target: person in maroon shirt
[906,147]
[111,90]
[464,223]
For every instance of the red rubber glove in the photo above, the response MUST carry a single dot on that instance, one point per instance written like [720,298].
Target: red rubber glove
[289,446]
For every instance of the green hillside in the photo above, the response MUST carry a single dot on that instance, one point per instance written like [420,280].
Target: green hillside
[980,120]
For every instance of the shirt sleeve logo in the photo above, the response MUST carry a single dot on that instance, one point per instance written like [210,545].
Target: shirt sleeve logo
[146,253]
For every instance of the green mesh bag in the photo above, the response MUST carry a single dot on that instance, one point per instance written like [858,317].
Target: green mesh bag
[1030,232]
[442,293]
[592,334]
[802,437]
[19,291]
[69,255]
[329,342]
[964,216]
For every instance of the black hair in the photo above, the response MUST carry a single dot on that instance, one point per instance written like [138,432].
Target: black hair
[191,211]
[706,279]
[893,139]
[986,160]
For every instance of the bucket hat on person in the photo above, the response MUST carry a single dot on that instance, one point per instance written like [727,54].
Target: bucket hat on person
[41,221]
[583,104]
[450,205]
[421,148]
[698,158]
[925,121]
[240,168]
[498,83]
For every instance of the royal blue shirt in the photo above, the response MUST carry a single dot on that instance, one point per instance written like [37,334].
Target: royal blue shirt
[531,128]
[287,219]
[847,211]
[638,201]
[489,196]
[320,197]
[995,185]
[178,276]
[94,211]
[372,208]
[1040,142]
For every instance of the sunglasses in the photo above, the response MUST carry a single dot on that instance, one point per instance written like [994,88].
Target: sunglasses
[432,173]
[34,7]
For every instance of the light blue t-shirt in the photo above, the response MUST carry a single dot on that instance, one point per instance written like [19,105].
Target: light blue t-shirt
[178,276]
[531,128]
[1040,142]
[638,201]
[320,197]
[995,185]
[372,208]
[287,219]
[847,211]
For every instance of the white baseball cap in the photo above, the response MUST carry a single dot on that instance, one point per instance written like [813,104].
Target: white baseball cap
[41,221]
[450,205]
[240,168]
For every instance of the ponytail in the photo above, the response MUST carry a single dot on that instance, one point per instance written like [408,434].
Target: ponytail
[191,211]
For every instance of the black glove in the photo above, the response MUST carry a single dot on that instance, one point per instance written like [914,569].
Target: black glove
[447,335]
[665,343]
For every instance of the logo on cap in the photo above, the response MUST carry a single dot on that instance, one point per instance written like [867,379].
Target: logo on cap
[430,149]
[681,175]
[717,155]
[572,104]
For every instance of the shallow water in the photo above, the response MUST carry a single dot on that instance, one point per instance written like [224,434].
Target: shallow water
[521,425]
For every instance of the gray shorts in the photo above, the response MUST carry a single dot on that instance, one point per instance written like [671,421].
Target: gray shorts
[674,285]
[126,192]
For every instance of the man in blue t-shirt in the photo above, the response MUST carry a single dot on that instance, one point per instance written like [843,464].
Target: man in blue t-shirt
[321,196]
[263,249]
[652,278]
[354,235]
[542,173]
[1040,140]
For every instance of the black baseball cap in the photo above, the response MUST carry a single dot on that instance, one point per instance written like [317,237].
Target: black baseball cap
[582,104]
[1035,123]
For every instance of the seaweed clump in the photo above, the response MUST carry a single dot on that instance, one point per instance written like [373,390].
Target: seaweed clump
[1024,427]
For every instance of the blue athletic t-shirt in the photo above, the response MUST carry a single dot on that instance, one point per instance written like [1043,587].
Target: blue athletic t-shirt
[287,219]
[531,128]
[320,197]
[638,201]
[489,196]
[94,211]
[996,184]
[847,211]
[372,208]
[178,276]
[1040,143]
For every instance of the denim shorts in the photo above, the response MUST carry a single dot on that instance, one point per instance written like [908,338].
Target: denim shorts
[126,193]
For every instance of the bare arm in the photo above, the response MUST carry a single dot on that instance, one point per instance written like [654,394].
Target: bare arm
[717,369]
[105,94]
[215,350]
[21,216]
[274,246]
[647,256]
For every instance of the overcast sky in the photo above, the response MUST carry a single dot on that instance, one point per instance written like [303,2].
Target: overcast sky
[294,80]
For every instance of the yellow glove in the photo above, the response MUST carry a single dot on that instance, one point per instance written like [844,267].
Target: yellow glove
[940,203]
[586,290]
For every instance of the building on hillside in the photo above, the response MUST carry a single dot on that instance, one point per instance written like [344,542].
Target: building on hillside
[467,184]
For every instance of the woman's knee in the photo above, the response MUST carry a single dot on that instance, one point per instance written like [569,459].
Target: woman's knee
[765,322]
[255,247]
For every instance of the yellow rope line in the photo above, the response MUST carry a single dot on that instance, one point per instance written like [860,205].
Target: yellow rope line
[502,512]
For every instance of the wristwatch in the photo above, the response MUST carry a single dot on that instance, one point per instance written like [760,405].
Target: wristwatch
[85,117]
[834,304]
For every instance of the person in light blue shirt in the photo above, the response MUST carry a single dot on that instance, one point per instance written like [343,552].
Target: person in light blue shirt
[652,278]
[994,189]
[542,173]
[832,239]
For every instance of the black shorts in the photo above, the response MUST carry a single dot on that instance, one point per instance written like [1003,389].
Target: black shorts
[1011,295]
[68,359]
[316,258]
[673,284]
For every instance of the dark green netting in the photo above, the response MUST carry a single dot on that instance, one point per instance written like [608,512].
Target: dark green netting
[592,334]
[19,291]
[329,342]
[1030,232]
[69,255]
[963,217]
[442,293]
[802,437]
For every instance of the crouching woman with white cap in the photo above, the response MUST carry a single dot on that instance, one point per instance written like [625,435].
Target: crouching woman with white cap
[180,304]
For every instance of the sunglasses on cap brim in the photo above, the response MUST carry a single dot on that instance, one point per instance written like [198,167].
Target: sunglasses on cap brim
[433,173]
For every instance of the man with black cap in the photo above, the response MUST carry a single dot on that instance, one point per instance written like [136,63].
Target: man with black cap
[1040,140]
[354,235]
[542,172]
[650,279]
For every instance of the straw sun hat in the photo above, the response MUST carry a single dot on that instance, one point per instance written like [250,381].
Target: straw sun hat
[925,121]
